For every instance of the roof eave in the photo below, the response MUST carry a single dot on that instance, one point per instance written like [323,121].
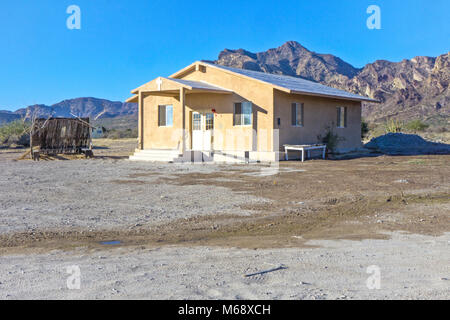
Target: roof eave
[184,70]
[334,96]
[133,99]
[244,76]
[178,83]
[195,90]
[192,66]
[140,88]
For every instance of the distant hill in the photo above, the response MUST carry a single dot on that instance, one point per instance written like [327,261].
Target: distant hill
[82,107]
[410,89]
[8,116]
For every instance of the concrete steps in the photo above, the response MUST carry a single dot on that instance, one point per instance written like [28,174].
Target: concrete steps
[196,156]
[155,155]
[174,156]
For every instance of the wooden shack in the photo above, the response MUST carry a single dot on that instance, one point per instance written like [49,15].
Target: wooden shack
[60,136]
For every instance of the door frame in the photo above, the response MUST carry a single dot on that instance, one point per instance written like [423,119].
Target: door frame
[203,128]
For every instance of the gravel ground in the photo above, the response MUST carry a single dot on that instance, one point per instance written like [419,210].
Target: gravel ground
[110,193]
[411,267]
[100,194]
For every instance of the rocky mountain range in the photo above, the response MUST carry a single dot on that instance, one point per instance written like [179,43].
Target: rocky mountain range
[410,89]
[82,107]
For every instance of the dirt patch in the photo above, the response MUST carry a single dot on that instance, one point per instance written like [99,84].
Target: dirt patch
[343,199]
[142,174]
[117,148]
[356,220]
[129,181]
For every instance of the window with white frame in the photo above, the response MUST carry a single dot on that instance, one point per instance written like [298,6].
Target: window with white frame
[196,121]
[165,116]
[297,114]
[342,117]
[209,121]
[242,114]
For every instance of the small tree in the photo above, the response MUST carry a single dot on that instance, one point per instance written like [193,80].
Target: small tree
[331,139]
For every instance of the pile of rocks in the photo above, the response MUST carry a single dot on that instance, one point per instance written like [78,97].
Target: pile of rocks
[406,144]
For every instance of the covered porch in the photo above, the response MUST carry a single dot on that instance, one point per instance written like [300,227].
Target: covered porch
[193,123]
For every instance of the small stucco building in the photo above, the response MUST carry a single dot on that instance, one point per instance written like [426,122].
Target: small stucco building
[216,113]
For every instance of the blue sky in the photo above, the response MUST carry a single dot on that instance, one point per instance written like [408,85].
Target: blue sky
[123,44]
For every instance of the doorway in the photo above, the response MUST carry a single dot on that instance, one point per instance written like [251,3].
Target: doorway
[202,131]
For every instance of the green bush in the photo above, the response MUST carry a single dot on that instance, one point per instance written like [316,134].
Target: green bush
[330,139]
[416,126]
[16,132]
[364,129]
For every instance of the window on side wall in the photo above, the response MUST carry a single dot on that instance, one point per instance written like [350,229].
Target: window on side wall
[342,117]
[165,116]
[297,114]
[242,114]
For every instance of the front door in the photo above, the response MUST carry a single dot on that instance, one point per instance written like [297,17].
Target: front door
[202,131]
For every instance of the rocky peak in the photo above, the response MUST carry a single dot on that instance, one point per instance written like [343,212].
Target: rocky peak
[291,59]
[415,88]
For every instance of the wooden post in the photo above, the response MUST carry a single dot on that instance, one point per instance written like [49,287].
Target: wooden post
[141,121]
[183,108]
[31,139]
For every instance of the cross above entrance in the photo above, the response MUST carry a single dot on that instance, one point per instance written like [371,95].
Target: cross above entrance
[159,83]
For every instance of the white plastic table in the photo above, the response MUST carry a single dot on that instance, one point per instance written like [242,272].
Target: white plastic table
[303,148]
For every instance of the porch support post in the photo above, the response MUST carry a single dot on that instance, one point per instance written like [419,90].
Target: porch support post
[141,121]
[183,108]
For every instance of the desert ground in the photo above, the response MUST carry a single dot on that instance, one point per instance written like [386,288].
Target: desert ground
[139,230]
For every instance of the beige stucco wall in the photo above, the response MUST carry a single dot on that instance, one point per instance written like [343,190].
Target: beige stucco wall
[319,114]
[268,105]
[257,137]
[156,137]
[226,136]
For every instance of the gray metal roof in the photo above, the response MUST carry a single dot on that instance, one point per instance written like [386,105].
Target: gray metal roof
[198,84]
[295,84]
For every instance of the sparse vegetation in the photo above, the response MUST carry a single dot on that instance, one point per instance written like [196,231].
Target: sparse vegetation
[121,134]
[119,122]
[432,129]
[15,132]
[416,126]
